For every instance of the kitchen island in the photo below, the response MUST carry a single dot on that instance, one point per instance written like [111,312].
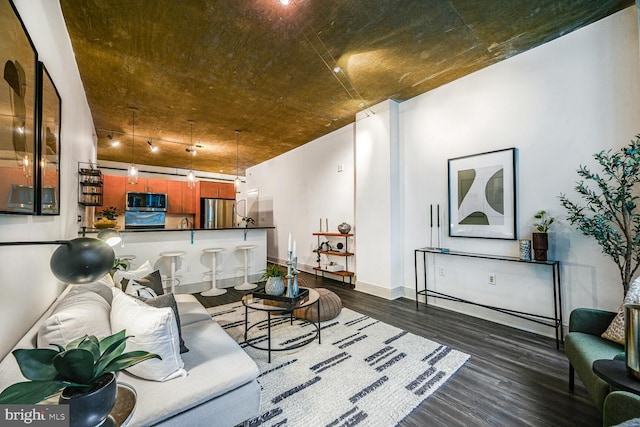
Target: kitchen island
[192,268]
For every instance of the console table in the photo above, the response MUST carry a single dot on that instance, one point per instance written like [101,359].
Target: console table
[553,322]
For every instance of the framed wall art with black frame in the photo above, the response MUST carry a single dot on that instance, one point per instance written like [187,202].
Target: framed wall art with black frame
[18,94]
[482,195]
[49,115]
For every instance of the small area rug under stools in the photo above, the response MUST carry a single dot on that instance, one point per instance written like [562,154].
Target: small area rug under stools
[365,372]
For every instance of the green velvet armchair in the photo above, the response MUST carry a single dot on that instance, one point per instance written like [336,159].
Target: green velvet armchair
[583,346]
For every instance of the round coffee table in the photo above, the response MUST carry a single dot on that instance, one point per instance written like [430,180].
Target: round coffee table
[279,308]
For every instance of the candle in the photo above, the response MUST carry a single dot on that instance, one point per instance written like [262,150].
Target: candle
[321,225]
[289,246]
[294,249]
[327,221]
[431,214]
[438,215]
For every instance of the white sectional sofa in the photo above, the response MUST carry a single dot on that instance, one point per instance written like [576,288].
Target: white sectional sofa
[220,388]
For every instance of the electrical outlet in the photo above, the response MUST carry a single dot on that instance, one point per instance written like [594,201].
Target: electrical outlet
[492,279]
[442,271]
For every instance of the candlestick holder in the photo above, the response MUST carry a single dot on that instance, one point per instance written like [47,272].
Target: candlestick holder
[291,292]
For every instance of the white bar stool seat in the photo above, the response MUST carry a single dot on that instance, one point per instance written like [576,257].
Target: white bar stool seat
[173,255]
[214,291]
[245,286]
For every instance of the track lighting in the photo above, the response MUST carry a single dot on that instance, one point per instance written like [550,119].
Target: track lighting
[114,142]
[152,147]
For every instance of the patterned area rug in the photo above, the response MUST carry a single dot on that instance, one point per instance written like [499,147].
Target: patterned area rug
[365,372]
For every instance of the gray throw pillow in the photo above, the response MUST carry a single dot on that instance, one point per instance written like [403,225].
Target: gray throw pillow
[147,286]
[167,300]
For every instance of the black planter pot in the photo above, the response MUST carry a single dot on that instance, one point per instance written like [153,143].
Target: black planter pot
[540,246]
[90,409]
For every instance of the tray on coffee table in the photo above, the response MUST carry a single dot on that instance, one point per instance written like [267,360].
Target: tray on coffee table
[303,293]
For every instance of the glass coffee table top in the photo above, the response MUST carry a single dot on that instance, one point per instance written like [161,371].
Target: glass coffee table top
[278,306]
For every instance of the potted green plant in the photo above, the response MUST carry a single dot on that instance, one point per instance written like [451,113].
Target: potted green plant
[610,214]
[107,218]
[273,276]
[84,371]
[541,237]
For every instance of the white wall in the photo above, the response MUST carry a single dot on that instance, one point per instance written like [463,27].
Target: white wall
[302,186]
[557,104]
[379,249]
[28,286]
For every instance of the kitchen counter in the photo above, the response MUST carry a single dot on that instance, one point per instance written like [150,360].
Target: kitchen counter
[193,268]
[95,230]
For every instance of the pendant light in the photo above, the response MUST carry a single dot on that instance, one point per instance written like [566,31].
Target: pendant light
[133,170]
[191,178]
[237,181]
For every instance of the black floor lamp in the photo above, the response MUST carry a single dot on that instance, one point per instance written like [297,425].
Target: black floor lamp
[79,261]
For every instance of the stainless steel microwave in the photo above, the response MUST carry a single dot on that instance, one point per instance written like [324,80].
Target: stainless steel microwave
[146,202]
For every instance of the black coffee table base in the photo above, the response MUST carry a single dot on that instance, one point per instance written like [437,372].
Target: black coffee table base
[279,314]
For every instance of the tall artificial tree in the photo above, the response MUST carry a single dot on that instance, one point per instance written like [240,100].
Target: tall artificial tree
[610,214]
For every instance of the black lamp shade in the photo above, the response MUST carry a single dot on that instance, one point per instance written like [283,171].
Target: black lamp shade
[82,260]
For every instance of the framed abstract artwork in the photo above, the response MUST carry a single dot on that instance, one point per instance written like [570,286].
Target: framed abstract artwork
[482,195]
[49,111]
[18,94]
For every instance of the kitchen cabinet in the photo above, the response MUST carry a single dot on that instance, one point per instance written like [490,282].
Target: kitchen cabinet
[114,192]
[217,190]
[148,185]
[182,199]
[340,250]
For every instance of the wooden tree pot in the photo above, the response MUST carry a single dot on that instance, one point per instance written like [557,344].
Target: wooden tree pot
[540,246]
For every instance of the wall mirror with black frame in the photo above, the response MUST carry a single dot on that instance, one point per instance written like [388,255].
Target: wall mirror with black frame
[18,94]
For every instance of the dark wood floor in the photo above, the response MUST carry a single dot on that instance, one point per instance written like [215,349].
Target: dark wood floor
[513,378]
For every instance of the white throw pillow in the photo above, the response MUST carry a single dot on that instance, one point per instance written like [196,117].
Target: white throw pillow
[138,273]
[151,329]
[81,312]
[615,331]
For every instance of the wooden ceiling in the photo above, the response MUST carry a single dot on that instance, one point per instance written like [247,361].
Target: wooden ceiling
[268,70]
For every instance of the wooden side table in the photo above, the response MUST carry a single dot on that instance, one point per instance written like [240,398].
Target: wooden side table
[615,373]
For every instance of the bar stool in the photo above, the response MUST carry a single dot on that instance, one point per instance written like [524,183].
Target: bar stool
[173,255]
[214,291]
[246,285]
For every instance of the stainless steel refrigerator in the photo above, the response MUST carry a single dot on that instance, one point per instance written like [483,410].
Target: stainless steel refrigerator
[216,213]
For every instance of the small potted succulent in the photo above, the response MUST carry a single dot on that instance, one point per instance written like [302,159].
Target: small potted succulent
[273,276]
[84,371]
[107,218]
[541,236]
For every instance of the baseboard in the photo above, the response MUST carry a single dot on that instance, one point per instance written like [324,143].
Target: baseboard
[379,291]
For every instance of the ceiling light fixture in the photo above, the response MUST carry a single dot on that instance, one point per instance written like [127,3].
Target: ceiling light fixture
[133,170]
[114,142]
[284,2]
[237,181]
[152,147]
[191,178]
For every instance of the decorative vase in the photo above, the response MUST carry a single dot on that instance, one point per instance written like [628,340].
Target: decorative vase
[525,250]
[540,246]
[89,409]
[274,286]
[344,228]
[632,338]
